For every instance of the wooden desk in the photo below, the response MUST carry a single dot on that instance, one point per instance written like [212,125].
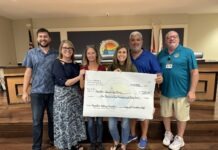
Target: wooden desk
[206,89]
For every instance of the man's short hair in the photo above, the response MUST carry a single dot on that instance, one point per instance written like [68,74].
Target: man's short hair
[43,30]
[135,33]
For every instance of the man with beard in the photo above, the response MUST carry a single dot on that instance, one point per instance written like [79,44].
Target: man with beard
[180,70]
[38,63]
[145,62]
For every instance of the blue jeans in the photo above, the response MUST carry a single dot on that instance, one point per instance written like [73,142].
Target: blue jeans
[40,102]
[124,131]
[95,129]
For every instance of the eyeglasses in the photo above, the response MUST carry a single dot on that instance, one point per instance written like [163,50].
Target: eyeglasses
[172,37]
[67,48]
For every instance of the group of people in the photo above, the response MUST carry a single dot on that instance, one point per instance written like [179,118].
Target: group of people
[57,84]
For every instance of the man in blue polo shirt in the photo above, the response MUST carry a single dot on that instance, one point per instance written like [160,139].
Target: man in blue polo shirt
[38,63]
[145,62]
[180,73]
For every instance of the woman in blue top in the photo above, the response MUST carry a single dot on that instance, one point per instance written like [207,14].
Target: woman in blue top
[121,62]
[69,126]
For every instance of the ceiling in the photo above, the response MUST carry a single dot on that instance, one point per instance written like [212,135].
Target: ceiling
[25,9]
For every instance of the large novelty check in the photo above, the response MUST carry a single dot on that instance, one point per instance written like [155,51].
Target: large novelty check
[119,94]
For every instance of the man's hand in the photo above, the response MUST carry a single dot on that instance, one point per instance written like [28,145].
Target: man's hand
[159,79]
[26,97]
[191,96]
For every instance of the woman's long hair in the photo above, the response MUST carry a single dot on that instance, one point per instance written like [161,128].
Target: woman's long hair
[127,63]
[85,60]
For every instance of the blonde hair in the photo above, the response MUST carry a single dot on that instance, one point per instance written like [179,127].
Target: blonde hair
[70,44]
[85,60]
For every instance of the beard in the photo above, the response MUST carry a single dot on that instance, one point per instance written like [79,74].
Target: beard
[135,49]
[43,45]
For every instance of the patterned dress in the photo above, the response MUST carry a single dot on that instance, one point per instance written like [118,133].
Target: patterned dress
[69,126]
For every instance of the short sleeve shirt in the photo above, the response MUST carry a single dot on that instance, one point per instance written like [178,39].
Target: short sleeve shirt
[177,77]
[41,65]
[147,63]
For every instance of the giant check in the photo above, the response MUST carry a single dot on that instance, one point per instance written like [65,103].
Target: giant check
[119,94]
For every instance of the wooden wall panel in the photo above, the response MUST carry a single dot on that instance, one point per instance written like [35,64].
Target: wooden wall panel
[206,89]
[14,85]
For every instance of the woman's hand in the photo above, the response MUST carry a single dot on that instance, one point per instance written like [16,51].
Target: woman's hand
[118,70]
[82,72]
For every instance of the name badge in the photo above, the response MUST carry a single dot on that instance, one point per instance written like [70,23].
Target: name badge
[169,66]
